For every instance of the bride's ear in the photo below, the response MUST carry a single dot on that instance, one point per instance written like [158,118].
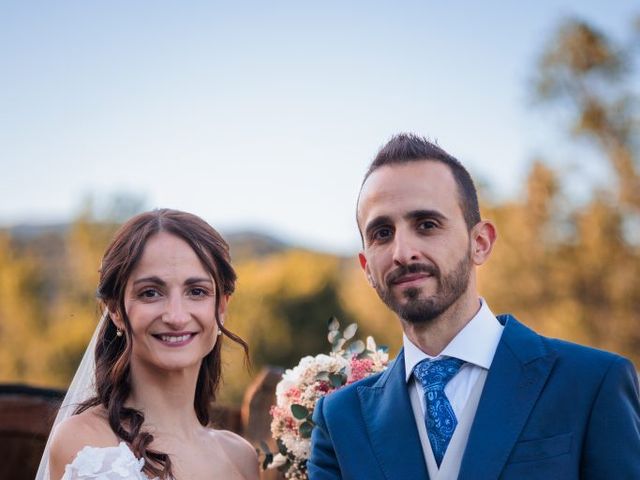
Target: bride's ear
[116,319]
[222,307]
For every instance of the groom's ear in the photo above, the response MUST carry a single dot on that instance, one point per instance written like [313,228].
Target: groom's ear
[365,267]
[363,261]
[483,237]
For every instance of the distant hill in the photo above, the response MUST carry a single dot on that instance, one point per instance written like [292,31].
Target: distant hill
[243,244]
[249,244]
[27,231]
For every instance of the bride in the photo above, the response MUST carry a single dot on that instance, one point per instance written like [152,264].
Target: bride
[165,283]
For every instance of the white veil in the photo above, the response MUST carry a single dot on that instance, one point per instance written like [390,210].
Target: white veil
[82,387]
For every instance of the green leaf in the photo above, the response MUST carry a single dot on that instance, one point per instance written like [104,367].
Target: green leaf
[265,448]
[322,376]
[299,411]
[337,379]
[334,324]
[383,348]
[333,334]
[285,467]
[338,344]
[282,449]
[350,331]
[268,459]
[365,354]
[356,348]
[305,429]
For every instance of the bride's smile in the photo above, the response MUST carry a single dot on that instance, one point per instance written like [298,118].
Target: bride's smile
[170,302]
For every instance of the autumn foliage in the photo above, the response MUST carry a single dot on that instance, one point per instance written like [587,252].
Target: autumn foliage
[568,269]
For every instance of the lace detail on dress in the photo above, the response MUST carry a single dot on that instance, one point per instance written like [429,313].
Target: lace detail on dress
[105,463]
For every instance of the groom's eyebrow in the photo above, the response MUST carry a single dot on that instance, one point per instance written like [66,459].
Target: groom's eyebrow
[375,223]
[420,214]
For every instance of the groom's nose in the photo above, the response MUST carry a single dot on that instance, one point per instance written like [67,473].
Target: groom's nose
[405,247]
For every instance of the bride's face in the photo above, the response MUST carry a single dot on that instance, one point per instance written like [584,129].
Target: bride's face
[170,303]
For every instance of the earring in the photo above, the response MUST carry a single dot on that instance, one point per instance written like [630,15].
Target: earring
[118,332]
[219,332]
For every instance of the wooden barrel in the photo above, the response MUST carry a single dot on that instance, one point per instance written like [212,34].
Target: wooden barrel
[26,416]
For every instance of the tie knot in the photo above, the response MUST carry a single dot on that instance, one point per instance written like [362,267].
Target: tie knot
[435,374]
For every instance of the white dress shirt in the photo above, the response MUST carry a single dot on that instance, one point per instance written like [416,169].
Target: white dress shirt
[475,344]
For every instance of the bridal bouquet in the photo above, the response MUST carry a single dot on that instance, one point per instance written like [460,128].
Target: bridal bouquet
[302,386]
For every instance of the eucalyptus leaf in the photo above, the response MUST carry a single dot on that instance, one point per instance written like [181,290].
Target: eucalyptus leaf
[265,448]
[286,466]
[365,354]
[281,447]
[350,331]
[268,459]
[338,344]
[356,347]
[383,348]
[300,412]
[337,379]
[334,324]
[322,376]
[333,334]
[305,429]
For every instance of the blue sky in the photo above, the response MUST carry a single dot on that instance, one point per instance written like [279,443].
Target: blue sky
[264,115]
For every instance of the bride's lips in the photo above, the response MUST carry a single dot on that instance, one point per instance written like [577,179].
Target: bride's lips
[174,339]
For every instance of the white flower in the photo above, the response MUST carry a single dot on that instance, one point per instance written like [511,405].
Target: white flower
[371,344]
[299,447]
[278,461]
[126,463]
[304,386]
[89,461]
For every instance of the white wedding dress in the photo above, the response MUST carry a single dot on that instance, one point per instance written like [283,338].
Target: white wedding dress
[105,463]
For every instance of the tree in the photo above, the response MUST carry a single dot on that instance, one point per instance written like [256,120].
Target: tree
[571,269]
[585,71]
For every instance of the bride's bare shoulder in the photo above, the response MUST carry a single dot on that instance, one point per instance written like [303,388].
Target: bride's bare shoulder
[240,452]
[89,428]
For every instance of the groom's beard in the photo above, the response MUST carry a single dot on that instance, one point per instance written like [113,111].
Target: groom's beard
[416,309]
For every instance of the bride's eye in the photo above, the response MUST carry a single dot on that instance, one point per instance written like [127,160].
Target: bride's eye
[198,292]
[149,293]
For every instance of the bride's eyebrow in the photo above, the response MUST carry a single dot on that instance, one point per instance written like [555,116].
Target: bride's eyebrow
[152,279]
[192,280]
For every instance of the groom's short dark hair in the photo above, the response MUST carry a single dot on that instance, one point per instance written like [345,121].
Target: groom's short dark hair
[408,147]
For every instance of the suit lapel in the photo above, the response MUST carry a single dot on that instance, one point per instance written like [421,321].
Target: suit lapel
[517,375]
[391,426]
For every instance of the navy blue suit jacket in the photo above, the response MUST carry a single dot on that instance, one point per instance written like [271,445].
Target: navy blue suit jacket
[549,410]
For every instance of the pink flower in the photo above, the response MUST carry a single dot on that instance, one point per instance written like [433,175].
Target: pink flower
[360,368]
[313,378]
[323,387]
[293,394]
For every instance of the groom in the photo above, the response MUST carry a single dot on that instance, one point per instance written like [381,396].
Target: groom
[471,395]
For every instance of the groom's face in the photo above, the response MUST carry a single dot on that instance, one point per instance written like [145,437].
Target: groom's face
[416,251]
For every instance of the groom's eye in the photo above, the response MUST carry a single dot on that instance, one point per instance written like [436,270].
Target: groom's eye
[427,225]
[381,234]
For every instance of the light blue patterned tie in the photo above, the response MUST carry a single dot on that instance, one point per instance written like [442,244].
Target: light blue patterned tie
[439,418]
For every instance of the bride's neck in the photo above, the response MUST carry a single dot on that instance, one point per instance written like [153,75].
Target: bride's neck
[166,399]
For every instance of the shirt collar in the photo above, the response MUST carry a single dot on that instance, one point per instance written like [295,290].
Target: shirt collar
[476,343]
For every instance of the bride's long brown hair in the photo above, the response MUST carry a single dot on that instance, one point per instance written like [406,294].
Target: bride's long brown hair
[113,352]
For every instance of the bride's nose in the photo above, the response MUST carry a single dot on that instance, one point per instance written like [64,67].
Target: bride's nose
[176,315]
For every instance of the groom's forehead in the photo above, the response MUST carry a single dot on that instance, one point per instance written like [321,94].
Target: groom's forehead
[412,185]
